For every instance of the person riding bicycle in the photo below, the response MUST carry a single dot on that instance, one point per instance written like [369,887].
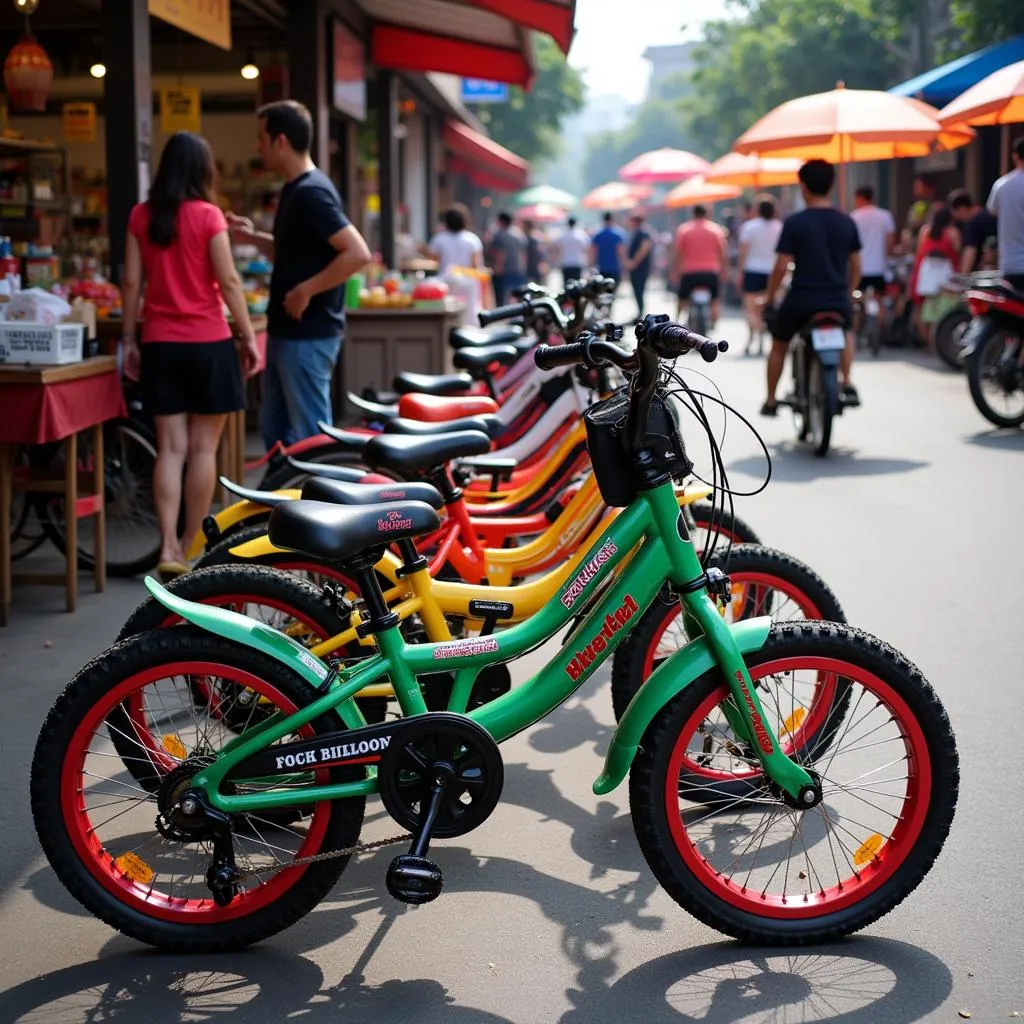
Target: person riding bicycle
[823,245]
[701,260]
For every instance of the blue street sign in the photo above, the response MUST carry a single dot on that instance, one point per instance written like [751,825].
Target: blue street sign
[479,90]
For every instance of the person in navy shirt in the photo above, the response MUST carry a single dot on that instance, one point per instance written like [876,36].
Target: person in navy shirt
[608,249]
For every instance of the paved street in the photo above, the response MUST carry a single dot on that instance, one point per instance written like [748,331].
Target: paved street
[549,912]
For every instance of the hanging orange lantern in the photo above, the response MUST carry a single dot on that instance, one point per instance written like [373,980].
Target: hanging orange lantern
[28,75]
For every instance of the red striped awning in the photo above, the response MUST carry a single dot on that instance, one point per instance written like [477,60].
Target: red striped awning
[482,160]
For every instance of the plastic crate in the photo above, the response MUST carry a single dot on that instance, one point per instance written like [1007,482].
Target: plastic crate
[24,342]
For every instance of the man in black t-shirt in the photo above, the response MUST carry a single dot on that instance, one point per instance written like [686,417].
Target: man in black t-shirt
[639,258]
[823,245]
[315,250]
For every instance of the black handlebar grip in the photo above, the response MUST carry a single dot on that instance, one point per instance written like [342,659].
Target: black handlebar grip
[489,316]
[548,357]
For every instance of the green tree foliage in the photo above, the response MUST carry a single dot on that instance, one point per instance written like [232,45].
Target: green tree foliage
[988,21]
[659,121]
[528,124]
[777,50]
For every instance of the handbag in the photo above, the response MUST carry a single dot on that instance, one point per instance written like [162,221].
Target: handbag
[934,272]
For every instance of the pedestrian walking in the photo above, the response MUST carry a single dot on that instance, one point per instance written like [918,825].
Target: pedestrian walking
[187,362]
[758,238]
[315,250]
[608,250]
[455,246]
[639,257]
[570,249]
[507,255]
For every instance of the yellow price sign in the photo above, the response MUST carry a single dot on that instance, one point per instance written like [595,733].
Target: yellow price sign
[180,110]
[78,122]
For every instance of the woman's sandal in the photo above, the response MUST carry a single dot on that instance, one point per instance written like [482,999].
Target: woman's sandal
[168,571]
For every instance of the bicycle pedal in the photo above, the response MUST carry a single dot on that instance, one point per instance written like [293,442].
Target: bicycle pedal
[414,879]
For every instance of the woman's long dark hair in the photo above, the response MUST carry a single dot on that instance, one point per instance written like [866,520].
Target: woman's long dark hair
[941,219]
[186,171]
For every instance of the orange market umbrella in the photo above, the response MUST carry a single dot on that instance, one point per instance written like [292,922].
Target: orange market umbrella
[615,195]
[952,137]
[697,190]
[997,99]
[752,171]
[663,166]
[845,126]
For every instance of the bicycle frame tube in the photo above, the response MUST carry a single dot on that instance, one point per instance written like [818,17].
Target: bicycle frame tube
[653,526]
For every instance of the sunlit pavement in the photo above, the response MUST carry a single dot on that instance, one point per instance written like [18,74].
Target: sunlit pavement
[549,912]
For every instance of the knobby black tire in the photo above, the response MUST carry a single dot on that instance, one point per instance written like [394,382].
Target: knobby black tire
[630,658]
[647,787]
[705,515]
[975,370]
[138,654]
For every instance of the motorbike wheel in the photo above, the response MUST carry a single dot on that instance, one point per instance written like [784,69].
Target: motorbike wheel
[949,335]
[150,883]
[822,403]
[994,371]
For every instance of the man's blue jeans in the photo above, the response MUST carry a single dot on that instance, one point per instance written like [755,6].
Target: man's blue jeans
[297,388]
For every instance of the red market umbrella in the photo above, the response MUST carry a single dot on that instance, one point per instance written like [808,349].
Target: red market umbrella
[663,166]
[542,213]
[615,195]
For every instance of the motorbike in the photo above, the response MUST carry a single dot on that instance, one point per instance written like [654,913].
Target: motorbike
[993,352]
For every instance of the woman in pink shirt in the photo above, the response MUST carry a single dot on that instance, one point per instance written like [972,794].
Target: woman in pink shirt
[187,362]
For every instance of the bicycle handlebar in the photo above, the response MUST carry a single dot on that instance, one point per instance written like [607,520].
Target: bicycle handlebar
[656,333]
[509,312]
[536,299]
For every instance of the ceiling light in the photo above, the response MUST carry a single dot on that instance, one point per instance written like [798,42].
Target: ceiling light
[249,72]
[98,70]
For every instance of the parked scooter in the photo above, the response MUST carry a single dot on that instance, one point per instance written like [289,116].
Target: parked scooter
[993,352]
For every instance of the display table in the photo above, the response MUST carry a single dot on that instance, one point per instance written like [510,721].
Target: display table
[43,404]
[380,342]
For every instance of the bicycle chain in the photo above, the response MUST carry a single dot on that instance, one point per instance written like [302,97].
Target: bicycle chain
[316,858]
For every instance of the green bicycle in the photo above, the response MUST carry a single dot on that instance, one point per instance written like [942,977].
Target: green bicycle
[758,836]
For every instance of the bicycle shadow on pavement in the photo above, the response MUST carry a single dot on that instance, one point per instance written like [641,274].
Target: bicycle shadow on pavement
[856,981]
[793,462]
[1010,440]
[259,985]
